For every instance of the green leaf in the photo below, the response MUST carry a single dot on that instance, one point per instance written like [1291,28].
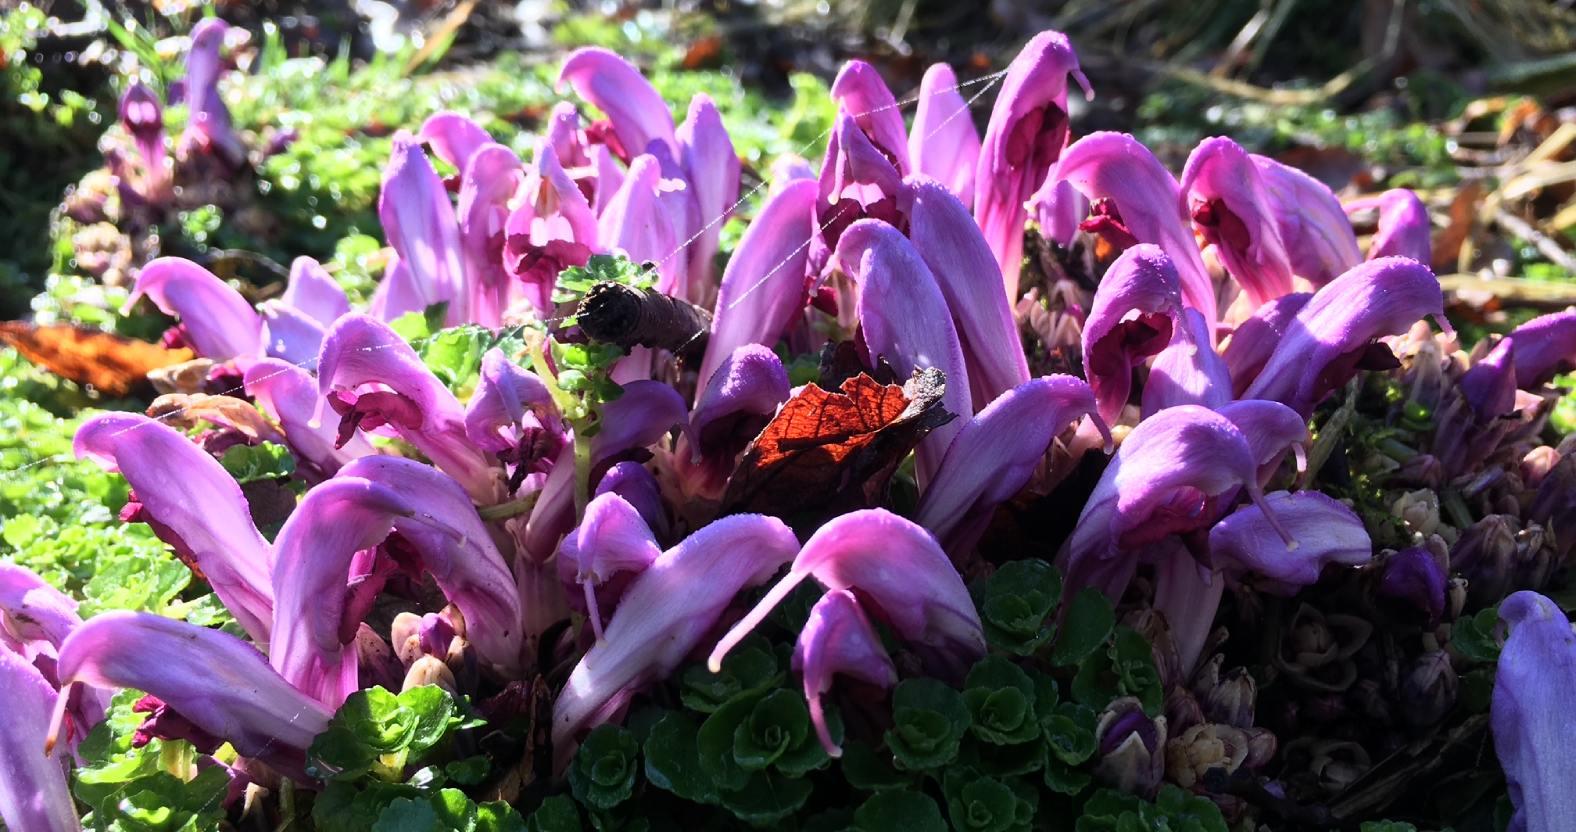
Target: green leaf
[407,814]
[1070,733]
[929,720]
[435,714]
[1108,810]
[985,804]
[1001,701]
[749,669]
[470,771]
[556,814]
[868,769]
[378,719]
[498,816]
[767,797]
[1064,779]
[605,767]
[1015,603]
[1002,760]
[249,463]
[673,759]
[714,743]
[909,811]
[1089,620]
[1473,636]
[779,722]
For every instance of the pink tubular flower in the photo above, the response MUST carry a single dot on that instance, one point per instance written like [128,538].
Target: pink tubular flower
[637,113]
[1027,132]
[218,322]
[1534,694]
[1326,531]
[1313,226]
[637,223]
[488,181]
[712,168]
[373,378]
[313,292]
[838,640]
[995,454]
[1223,195]
[905,319]
[738,401]
[612,540]
[665,614]
[551,228]
[143,118]
[951,245]
[1188,370]
[193,504]
[1404,226]
[1256,338]
[419,223]
[944,144]
[1135,198]
[312,619]
[33,792]
[218,682]
[453,137]
[857,181]
[1136,309]
[288,394]
[764,283]
[504,395]
[1545,345]
[208,120]
[860,92]
[896,568]
[1334,334]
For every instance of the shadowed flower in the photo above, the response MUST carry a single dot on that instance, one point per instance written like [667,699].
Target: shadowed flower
[611,541]
[143,118]
[1188,370]
[33,792]
[738,401]
[1325,531]
[419,222]
[899,572]
[838,639]
[1256,338]
[1534,695]
[1222,194]
[1136,309]
[1027,131]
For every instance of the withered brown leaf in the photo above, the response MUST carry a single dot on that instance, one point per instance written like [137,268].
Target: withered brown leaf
[115,365]
[826,453]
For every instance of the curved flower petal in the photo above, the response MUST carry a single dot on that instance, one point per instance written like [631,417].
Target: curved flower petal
[1534,695]
[905,318]
[1059,209]
[208,120]
[1326,532]
[143,118]
[456,548]
[636,223]
[1490,385]
[1188,371]
[217,681]
[739,399]
[764,283]
[487,183]
[712,167]
[611,539]
[635,109]
[666,613]
[551,228]
[1122,178]
[860,92]
[289,395]
[857,181]
[1404,227]
[1271,429]
[639,487]
[1256,338]
[838,639]
[334,521]
[1223,194]
[33,791]
[419,222]
[1544,346]
[453,137]
[1313,226]
[1134,314]
[33,611]
[1330,337]
[397,294]
[386,382]
[219,323]
[1027,131]
[290,334]
[944,143]
[504,394]
[641,415]
[950,243]
[193,504]
[314,292]
[898,570]
[994,455]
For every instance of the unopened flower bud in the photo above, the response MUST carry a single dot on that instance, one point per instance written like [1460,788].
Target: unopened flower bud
[429,670]
[1455,598]
[1339,764]
[1231,702]
[1419,510]
[1423,471]
[1484,555]
[1428,690]
[375,659]
[1132,754]
[1152,624]
[1190,757]
[1261,747]
[1414,578]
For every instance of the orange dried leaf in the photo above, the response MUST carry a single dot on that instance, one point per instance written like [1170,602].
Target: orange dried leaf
[115,365]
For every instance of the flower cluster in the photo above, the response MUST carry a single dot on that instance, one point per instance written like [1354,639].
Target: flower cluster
[558,518]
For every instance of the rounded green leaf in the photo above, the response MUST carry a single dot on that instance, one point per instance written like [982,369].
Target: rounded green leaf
[929,719]
[905,810]
[603,772]
[1088,622]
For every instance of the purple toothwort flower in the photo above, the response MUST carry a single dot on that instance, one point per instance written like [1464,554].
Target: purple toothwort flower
[312,291]
[453,137]
[666,613]
[372,378]
[739,400]
[1325,529]
[215,319]
[1534,694]
[218,682]
[1136,309]
[1545,345]
[860,92]
[1334,334]
[488,182]
[995,454]
[143,118]
[34,616]
[637,222]
[1224,197]
[636,112]
[1313,226]
[764,283]
[419,221]
[612,541]
[313,618]
[951,245]
[193,504]
[1188,370]
[905,319]
[289,395]
[899,572]
[857,181]
[838,640]
[944,143]
[1404,228]
[1134,199]
[33,791]
[551,228]
[1027,132]
[506,396]
[208,125]
[712,168]
[1255,339]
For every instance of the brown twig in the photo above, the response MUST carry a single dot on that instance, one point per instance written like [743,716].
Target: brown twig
[614,313]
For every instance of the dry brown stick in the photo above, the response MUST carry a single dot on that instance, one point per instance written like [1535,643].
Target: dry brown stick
[615,313]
